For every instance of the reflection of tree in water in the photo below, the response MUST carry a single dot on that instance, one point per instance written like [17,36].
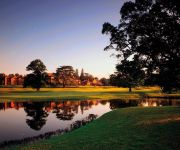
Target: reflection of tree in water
[65,116]
[103,102]
[66,110]
[47,135]
[85,105]
[36,111]
[122,103]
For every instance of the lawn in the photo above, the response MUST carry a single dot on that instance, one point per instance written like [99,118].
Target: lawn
[134,128]
[81,93]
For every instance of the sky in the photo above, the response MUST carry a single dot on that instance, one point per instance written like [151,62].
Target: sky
[59,32]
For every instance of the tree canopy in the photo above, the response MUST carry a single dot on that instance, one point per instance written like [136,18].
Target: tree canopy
[150,31]
[37,66]
[65,75]
[36,79]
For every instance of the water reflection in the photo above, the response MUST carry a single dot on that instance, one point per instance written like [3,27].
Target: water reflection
[31,119]
[37,113]
[114,104]
[154,102]
[23,120]
[77,124]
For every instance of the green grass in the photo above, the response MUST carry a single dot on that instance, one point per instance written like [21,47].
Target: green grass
[81,93]
[123,129]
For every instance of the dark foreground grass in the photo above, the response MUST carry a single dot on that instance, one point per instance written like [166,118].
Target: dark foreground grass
[123,129]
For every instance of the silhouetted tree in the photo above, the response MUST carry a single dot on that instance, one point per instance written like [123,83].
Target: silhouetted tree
[88,77]
[37,78]
[150,31]
[113,79]
[77,74]
[82,77]
[130,73]
[65,75]
[2,79]
[104,81]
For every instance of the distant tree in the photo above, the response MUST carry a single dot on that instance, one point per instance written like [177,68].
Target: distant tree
[11,75]
[130,74]
[37,78]
[17,75]
[113,79]
[150,31]
[104,81]
[82,77]
[2,79]
[77,74]
[88,77]
[65,75]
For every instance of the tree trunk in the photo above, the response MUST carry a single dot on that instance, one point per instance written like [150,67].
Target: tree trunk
[63,84]
[130,90]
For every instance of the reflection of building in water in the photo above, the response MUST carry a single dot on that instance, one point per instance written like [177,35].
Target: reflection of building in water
[153,102]
[9,105]
[65,107]
[149,103]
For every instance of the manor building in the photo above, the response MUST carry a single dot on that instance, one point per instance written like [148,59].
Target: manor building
[18,80]
[11,79]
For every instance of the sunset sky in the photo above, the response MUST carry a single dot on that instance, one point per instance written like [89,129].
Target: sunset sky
[59,32]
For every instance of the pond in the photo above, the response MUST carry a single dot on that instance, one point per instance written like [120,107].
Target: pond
[29,120]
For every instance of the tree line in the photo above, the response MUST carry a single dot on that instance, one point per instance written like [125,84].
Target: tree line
[64,76]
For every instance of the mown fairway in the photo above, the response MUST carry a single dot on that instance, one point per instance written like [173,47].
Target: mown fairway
[123,129]
[80,93]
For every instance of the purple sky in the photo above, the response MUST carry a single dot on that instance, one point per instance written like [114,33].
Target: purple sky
[59,32]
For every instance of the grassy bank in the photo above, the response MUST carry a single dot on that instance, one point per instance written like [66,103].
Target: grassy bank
[81,93]
[123,129]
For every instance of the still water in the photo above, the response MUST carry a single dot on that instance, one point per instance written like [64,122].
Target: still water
[20,120]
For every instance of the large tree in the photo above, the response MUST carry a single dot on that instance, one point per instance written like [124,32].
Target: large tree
[66,75]
[150,31]
[36,79]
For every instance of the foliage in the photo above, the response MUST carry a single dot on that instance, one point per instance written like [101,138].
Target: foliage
[77,74]
[35,81]
[104,81]
[66,75]
[130,73]
[2,79]
[86,77]
[150,31]
[37,78]
[82,77]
